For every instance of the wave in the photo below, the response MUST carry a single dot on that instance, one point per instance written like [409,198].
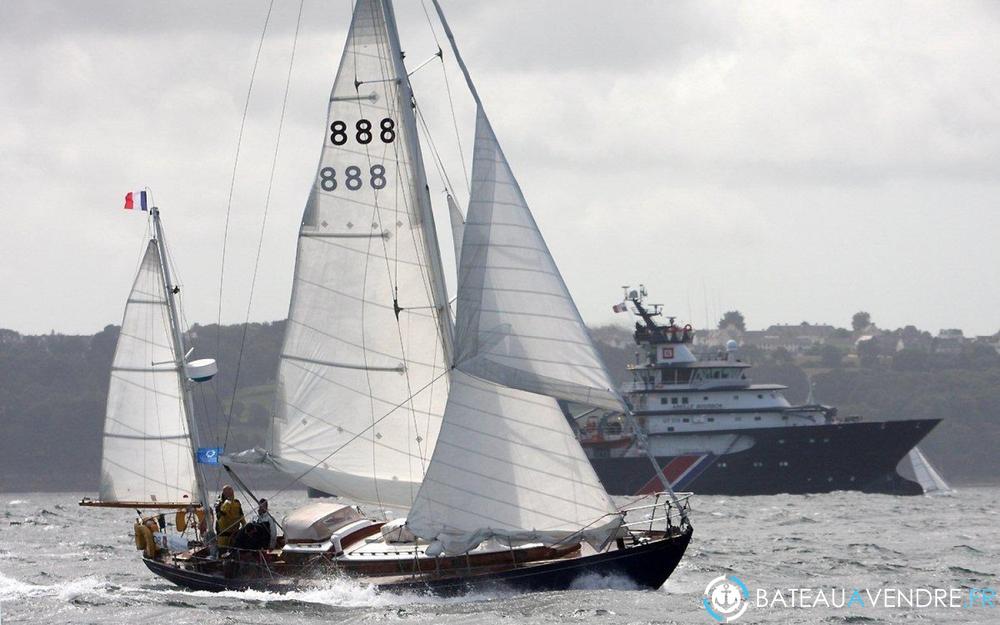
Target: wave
[340,592]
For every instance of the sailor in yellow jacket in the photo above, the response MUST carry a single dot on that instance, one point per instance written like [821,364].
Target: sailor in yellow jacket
[228,517]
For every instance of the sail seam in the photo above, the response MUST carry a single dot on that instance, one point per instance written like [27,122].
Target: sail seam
[400,368]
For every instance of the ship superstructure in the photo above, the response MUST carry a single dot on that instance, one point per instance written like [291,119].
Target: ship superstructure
[713,430]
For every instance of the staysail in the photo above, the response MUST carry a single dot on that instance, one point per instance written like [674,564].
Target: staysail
[147,448]
[508,466]
[363,375]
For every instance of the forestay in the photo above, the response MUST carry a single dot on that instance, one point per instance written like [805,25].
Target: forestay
[146,449]
[363,377]
[516,323]
[508,466]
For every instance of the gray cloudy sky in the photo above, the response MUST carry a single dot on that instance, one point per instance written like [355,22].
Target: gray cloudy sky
[797,161]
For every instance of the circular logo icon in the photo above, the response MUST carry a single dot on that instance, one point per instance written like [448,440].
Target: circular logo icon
[726,598]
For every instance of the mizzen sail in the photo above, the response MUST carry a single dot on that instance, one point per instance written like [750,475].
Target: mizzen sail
[363,374]
[147,448]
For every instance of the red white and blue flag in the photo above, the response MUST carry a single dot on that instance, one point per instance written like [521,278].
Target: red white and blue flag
[136,199]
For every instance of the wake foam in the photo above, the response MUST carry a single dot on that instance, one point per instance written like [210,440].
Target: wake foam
[596,581]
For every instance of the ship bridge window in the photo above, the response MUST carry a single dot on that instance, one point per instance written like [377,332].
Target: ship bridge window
[673,400]
[675,376]
[684,400]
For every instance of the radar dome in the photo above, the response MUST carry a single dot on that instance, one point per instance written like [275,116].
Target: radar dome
[732,346]
[202,370]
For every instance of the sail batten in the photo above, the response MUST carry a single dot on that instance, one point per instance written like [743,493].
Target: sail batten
[146,453]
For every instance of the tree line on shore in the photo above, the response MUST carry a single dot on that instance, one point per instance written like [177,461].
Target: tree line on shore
[53,388]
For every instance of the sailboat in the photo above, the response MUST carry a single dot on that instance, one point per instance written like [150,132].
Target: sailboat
[387,401]
[927,476]
[150,440]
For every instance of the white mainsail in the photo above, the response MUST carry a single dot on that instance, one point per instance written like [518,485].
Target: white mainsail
[147,448]
[363,376]
[516,323]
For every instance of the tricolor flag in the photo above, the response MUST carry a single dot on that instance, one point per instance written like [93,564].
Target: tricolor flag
[620,307]
[136,199]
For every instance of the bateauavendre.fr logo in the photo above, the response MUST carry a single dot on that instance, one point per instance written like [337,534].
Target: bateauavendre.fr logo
[727,598]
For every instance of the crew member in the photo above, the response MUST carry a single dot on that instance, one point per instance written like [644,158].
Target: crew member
[228,517]
[264,518]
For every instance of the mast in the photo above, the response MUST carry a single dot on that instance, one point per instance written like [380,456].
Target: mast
[178,339]
[422,192]
[458,56]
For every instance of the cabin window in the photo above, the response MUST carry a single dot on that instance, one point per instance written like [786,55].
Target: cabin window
[684,400]
[705,397]
[686,420]
[757,418]
[670,429]
[739,418]
[736,396]
[673,400]
[663,400]
[711,419]
[601,452]
[760,396]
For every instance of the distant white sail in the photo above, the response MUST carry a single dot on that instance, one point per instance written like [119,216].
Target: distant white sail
[146,450]
[363,376]
[508,466]
[457,226]
[928,478]
[516,323]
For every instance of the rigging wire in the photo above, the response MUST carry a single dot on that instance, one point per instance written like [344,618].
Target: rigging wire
[451,101]
[359,434]
[263,225]
[236,162]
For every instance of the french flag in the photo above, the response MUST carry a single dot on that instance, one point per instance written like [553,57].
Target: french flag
[136,199]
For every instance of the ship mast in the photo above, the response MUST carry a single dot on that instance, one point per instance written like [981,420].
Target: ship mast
[178,340]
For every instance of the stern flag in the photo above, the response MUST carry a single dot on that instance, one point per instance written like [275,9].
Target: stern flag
[209,455]
[136,199]
[620,308]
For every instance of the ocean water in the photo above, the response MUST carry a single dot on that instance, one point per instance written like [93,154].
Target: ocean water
[63,564]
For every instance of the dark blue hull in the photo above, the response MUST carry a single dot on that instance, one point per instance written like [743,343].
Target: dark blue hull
[646,566]
[858,455]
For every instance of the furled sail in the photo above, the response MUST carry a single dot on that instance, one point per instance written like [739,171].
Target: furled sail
[363,375]
[516,323]
[508,466]
[147,450]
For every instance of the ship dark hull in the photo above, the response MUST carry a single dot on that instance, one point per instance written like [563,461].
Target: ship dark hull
[802,459]
[646,566]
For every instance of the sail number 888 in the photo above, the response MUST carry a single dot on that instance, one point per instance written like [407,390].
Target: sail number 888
[352,178]
[363,132]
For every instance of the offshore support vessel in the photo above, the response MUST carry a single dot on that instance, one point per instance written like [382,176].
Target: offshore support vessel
[712,431]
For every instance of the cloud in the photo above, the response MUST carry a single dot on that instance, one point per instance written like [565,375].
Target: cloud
[794,160]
